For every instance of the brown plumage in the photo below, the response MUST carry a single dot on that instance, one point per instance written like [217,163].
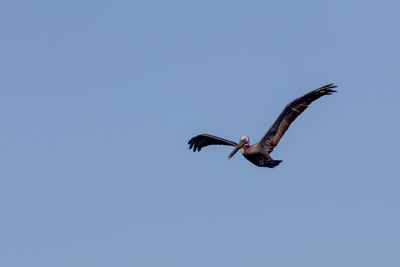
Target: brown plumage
[259,152]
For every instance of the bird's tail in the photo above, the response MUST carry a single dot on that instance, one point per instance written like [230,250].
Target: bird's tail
[273,163]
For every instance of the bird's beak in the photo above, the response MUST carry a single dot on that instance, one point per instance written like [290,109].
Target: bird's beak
[241,143]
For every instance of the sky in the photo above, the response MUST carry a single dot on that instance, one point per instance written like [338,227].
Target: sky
[99,98]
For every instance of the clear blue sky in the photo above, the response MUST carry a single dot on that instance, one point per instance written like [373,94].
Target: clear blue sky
[98,100]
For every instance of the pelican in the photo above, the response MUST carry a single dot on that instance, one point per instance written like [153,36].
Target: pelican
[259,153]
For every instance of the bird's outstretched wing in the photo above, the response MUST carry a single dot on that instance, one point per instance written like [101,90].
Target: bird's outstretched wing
[271,138]
[202,140]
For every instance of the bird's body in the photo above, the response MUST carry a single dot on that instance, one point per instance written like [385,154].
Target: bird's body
[259,153]
[259,158]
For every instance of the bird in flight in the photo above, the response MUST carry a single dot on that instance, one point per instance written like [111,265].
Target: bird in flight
[259,153]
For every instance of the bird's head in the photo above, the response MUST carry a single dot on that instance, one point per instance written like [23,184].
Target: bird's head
[244,141]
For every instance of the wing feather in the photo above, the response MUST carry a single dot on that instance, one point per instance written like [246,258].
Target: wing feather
[202,140]
[292,110]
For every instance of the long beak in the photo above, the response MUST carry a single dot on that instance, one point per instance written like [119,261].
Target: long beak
[238,146]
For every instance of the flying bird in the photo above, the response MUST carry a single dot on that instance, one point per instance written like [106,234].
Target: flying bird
[259,153]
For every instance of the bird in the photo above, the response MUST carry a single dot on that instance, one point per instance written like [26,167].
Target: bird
[259,153]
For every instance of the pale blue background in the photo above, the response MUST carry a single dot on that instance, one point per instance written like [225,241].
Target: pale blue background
[98,100]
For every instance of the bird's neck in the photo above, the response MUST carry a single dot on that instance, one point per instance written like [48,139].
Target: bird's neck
[243,148]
